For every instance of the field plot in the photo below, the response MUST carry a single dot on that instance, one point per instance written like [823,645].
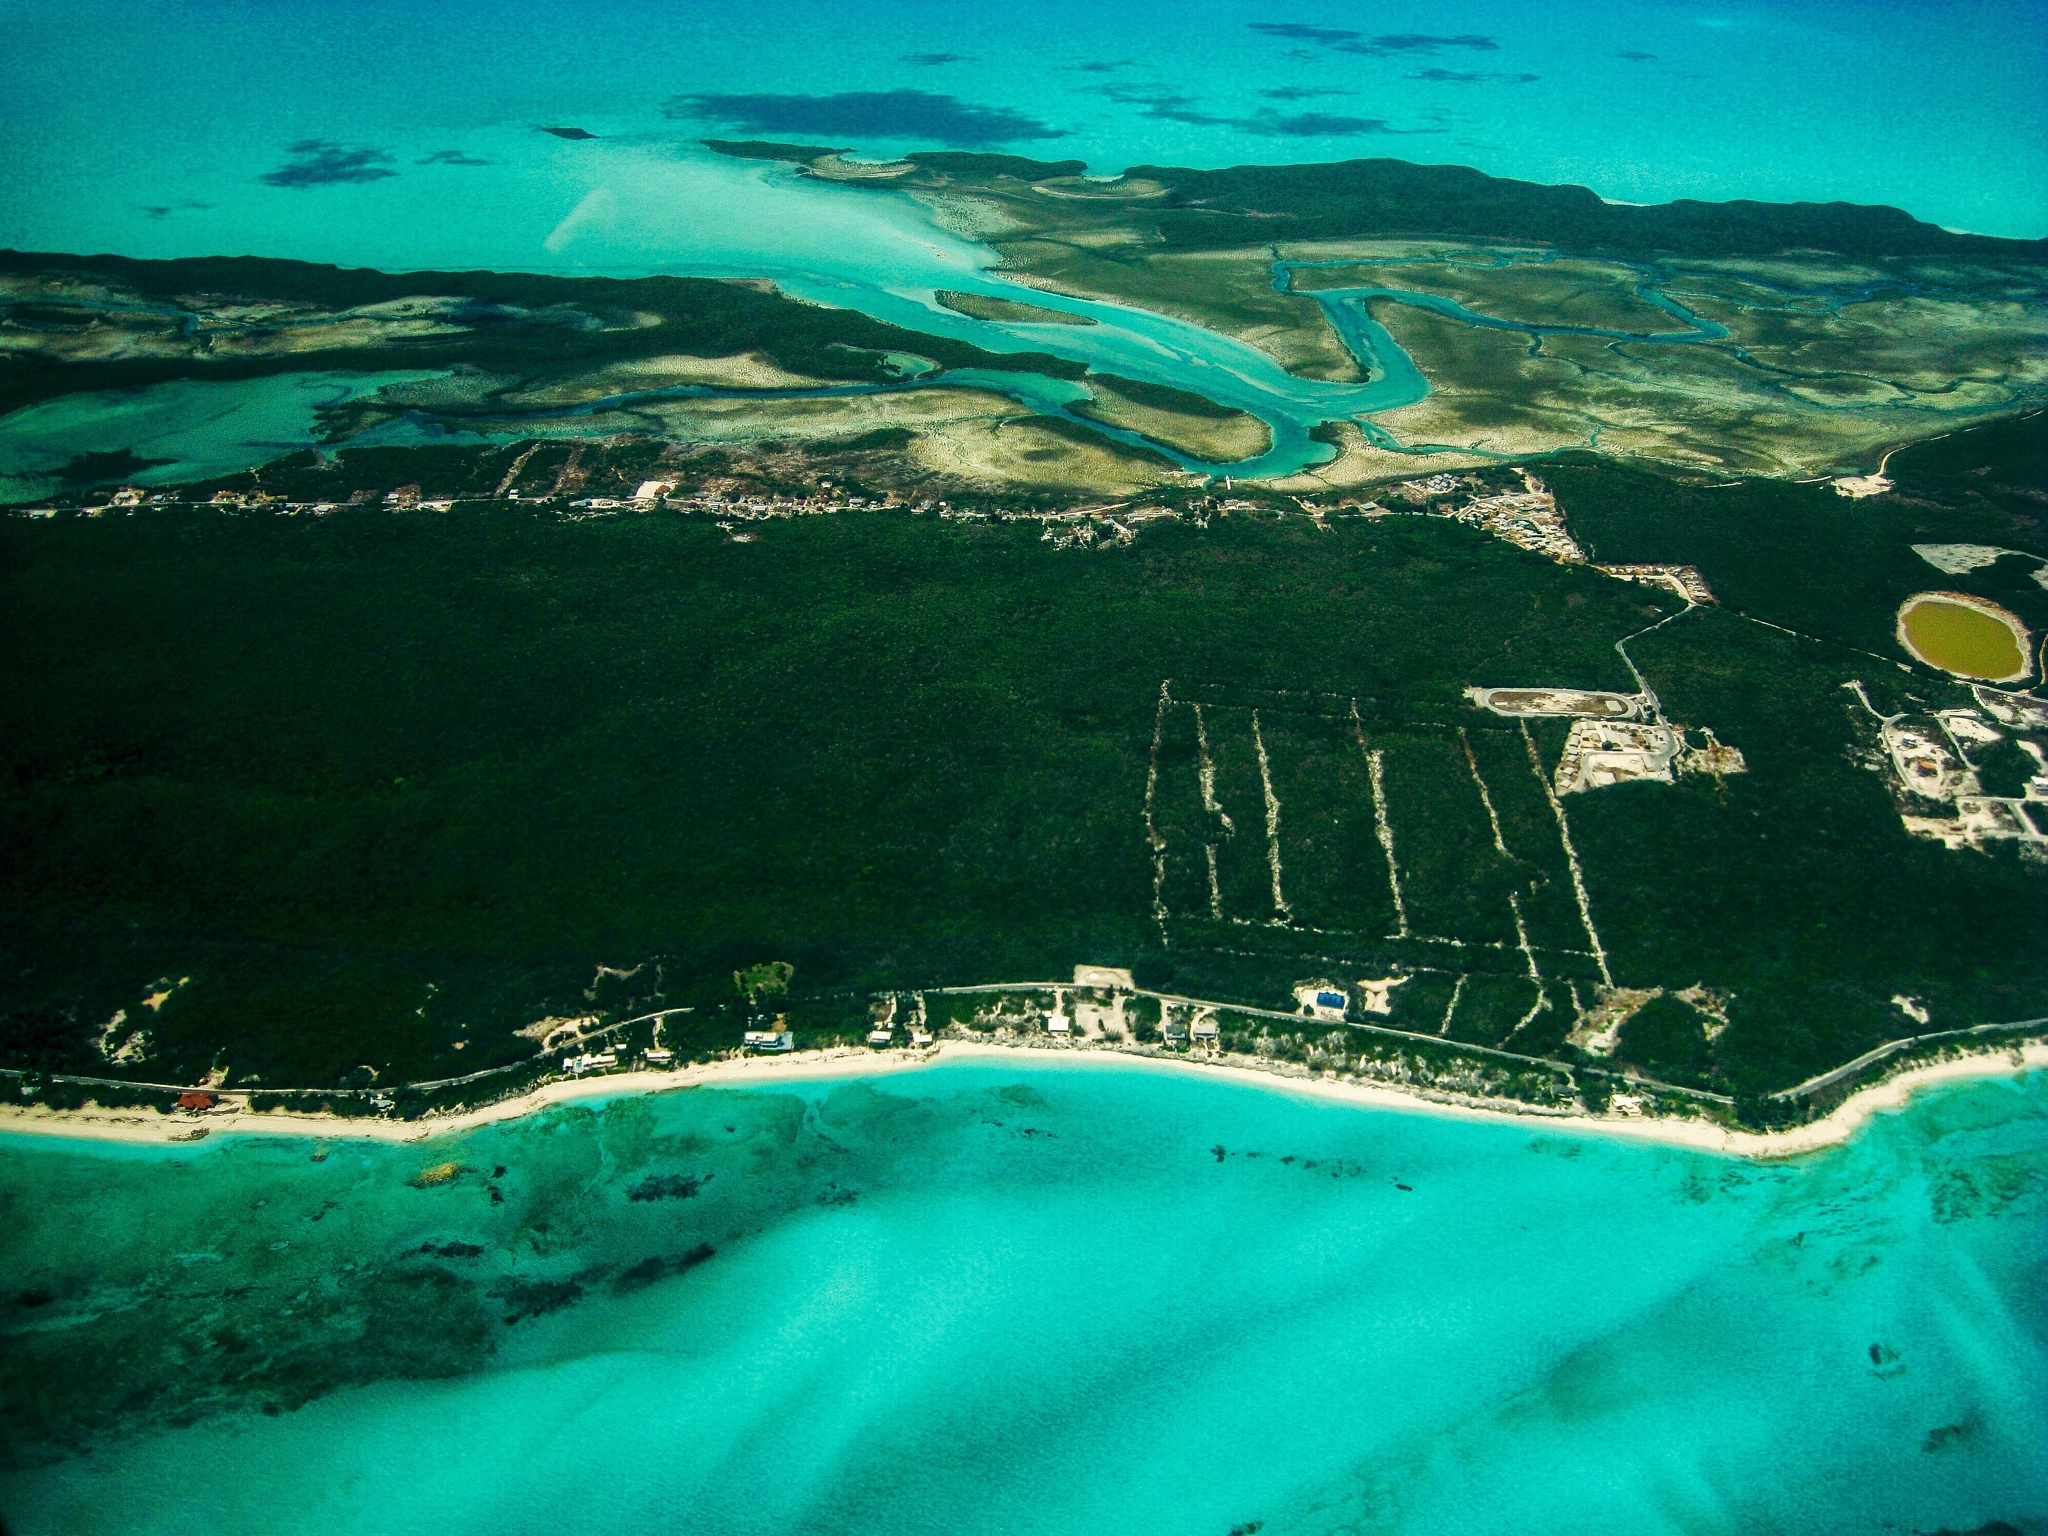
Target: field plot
[1249,883]
[1514,773]
[1454,872]
[1330,850]
[1490,1008]
[1309,825]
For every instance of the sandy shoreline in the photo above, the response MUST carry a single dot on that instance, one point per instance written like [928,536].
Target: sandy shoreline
[126,1125]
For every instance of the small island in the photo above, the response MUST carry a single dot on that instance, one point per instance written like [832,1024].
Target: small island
[982,306]
[1179,418]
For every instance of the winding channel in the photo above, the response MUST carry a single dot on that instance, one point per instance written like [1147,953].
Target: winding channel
[1124,340]
[1158,349]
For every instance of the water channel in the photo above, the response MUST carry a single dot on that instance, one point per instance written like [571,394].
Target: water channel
[891,266]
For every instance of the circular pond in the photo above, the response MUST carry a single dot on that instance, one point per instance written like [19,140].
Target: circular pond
[1966,636]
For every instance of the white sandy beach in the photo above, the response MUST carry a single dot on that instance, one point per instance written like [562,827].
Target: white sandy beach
[128,1125]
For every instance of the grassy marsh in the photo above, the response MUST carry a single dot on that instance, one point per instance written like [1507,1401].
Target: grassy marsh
[1176,418]
[983,306]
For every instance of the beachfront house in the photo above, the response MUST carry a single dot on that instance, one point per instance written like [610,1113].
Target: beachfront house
[1057,1022]
[1323,1000]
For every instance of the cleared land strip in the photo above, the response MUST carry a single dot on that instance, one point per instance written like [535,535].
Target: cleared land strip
[1451,1008]
[1376,772]
[1272,820]
[1485,799]
[1571,855]
[1152,838]
[1522,942]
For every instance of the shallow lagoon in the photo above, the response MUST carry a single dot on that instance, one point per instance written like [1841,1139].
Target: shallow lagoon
[877,252]
[1041,1298]
[184,429]
[430,142]
[1936,109]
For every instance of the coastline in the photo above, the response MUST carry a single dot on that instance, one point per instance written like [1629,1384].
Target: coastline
[143,1128]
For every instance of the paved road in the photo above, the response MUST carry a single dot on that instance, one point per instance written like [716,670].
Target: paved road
[1811,1086]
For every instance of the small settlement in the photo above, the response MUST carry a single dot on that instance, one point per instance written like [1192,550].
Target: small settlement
[1685,580]
[1100,1007]
[1615,738]
[1939,786]
[1530,519]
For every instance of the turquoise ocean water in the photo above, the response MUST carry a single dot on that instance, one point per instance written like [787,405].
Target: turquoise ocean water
[981,1299]
[184,430]
[984,1298]
[145,127]
[412,136]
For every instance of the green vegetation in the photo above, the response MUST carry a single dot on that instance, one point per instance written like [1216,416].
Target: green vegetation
[1008,311]
[2003,768]
[352,800]
[1158,397]
[1489,1007]
[768,149]
[1526,287]
[1230,292]
[881,439]
[1251,204]
[1667,1038]
[389,783]
[1393,197]
[866,463]
[1803,557]
[966,164]
[758,981]
[99,468]
[1062,431]
[1824,364]
[517,331]
[1797,889]
[1873,329]
[1848,328]
[1175,417]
